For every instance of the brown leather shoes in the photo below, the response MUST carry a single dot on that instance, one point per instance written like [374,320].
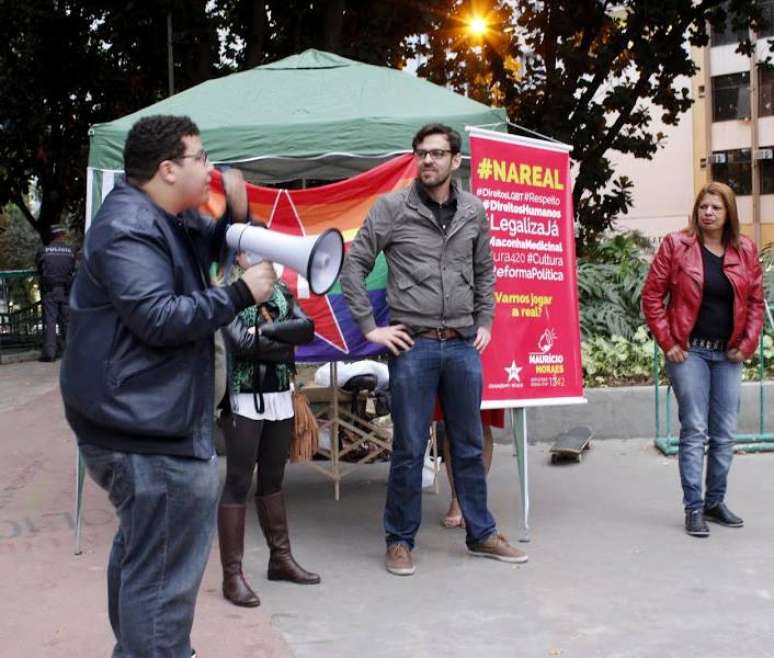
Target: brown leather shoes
[274,523]
[231,535]
[398,560]
[497,547]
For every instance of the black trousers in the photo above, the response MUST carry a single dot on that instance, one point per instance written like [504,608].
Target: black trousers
[55,311]
[251,443]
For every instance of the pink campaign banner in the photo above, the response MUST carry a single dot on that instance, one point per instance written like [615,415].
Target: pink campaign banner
[534,357]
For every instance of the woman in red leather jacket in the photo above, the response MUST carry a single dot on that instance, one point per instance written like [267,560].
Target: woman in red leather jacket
[703,301]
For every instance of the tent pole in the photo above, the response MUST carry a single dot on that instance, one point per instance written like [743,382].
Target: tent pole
[80,472]
[335,431]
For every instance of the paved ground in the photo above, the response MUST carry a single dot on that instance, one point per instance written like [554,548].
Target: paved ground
[611,573]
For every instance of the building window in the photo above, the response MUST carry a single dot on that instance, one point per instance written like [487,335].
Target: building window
[767,169]
[727,36]
[767,9]
[734,168]
[731,96]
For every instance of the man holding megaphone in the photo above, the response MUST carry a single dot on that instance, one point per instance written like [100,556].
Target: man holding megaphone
[138,376]
[440,291]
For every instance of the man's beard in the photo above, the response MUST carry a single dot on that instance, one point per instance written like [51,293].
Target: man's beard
[437,183]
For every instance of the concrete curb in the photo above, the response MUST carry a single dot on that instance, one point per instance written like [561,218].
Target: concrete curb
[628,412]
[19,357]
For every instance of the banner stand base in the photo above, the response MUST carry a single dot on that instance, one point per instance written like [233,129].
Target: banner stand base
[519,428]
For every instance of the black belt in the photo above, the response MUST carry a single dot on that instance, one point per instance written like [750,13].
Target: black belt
[442,334]
[707,344]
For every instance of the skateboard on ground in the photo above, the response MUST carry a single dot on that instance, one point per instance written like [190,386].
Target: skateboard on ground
[571,444]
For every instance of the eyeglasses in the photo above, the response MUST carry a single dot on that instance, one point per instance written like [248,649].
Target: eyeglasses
[435,154]
[201,156]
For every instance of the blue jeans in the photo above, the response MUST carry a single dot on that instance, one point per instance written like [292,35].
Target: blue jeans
[452,369]
[708,390]
[166,509]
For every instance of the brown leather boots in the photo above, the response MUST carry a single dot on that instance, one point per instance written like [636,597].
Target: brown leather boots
[231,534]
[274,523]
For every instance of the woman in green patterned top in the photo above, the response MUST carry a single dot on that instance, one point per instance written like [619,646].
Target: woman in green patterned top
[258,425]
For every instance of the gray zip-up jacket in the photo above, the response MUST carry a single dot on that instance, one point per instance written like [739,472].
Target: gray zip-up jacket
[435,280]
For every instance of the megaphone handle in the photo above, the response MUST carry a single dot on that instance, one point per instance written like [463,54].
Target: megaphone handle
[239,242]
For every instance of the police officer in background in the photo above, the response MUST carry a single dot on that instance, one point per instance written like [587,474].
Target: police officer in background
[56,267]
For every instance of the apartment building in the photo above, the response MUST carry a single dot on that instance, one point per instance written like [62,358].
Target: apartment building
[733,124]
[728,135]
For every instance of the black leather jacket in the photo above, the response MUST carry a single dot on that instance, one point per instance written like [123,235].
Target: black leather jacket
[138,370]
[273,344]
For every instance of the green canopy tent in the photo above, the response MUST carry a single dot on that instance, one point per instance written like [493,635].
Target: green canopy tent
[312,115]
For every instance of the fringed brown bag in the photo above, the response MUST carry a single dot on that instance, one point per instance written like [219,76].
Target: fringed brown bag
[306,434]
[306,431]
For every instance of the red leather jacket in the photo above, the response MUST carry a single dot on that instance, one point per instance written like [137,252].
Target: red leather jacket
[678,271]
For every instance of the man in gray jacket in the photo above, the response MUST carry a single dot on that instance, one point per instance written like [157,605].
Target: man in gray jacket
[440,293]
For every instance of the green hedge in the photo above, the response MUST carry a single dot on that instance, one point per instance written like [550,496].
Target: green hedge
[618,361]
[617,348]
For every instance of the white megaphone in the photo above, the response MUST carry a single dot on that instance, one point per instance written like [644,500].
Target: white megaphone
[318,258]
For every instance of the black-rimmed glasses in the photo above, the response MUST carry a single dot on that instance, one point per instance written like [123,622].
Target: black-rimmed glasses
[201,156]
[435,154]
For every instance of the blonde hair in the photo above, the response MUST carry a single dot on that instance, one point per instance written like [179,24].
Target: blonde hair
[731,226]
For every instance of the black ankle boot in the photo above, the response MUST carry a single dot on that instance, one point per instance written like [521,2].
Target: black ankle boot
[722,515]
[695,525]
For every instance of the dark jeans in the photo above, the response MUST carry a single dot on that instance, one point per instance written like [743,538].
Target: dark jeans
[166,510]
[55,311]
[708,391]
[452,369]
[248,441]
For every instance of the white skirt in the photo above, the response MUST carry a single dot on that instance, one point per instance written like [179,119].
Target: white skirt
[276,406]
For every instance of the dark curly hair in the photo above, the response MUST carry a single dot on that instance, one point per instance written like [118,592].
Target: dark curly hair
[452,136]
[153,139]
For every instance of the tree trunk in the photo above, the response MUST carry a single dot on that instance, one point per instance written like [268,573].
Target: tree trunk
[334,22]
[18,201]
[256,33]
[197,54]
[51,210]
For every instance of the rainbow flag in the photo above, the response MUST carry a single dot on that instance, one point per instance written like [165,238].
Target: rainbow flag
[343,205]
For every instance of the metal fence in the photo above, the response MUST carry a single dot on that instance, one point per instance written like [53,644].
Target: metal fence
[21,315]
[762,441]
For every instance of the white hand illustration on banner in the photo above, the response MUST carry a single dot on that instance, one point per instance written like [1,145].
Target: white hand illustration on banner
[546,341]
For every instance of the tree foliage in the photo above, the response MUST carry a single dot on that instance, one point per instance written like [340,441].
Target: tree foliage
[576,70]
[18,241]
[590,73]
[372,32]
[65,65]
[68,64]
[610,280]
